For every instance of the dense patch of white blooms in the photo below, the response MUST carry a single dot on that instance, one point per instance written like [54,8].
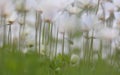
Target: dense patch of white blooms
[73,23]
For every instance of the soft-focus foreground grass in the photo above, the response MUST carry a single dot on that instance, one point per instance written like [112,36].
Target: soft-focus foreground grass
[16,63]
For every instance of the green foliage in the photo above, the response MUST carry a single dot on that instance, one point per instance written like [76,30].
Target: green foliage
[31,63]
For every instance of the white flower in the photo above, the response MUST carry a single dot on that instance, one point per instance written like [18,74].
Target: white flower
[50,8]
[74,59]
[73,9]
[11,19]
[7,9]
[117,20]
[107,34]
[19,5]
[30,20]
[3,3]
[66,23]
[30,4]
[25,5]
[117,15]
[88,22]
[87,4]
[117,3]
[110,8]
[100,14]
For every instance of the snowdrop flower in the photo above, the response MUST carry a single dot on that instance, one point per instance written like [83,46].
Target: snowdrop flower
[74,59]
[107,34]
[88,22]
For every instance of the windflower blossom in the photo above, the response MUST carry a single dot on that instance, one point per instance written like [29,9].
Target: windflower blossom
[88,22]
[68,19]
[87,4]
[117,3]
[73,9]
[67,23]
[50,8]
[25,5]
[107,34]
[109,9]
[117,20]
[7,9]
[12,18]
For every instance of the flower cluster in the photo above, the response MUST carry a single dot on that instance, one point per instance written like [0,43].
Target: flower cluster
[51,27]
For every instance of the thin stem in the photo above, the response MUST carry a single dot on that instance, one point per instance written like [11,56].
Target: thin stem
[100,51]
[56,44]
[51,28]
[91,46]
[20,37]
[104,21]
[10,36]
[24,15]
[43,33]
[69,43]
[40,33]
[63,44]
[87,46]
[4,32]
[36,29]
[98,6]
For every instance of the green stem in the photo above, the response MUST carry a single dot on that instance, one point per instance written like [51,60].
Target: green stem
[40,33]
[36,29]
[9,37]
[4,32]
[91,46]
[51,26]
[63,44]
[56,44]
[43,33]
[70,43]
[87,47]
[100,51]
[20,37]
